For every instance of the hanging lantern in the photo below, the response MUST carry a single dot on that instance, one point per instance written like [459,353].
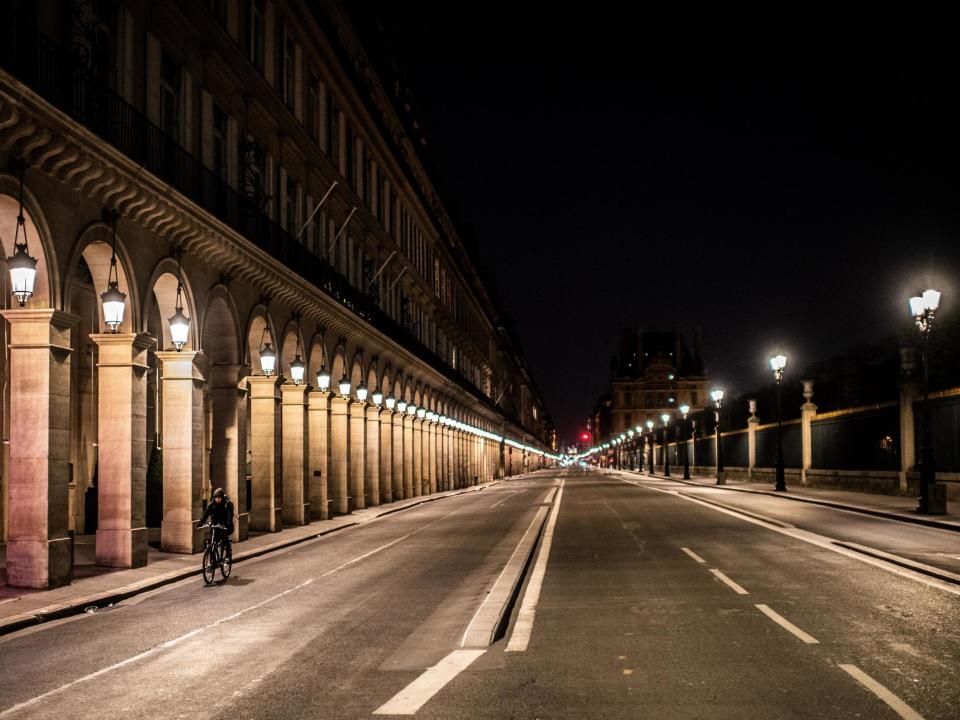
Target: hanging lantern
[402,405]
[297,369]
[179,323]
[362,392]
[268,359]
[114,302]
[344,386]
[323,379]
[22,267]
[391,402]
[377,398]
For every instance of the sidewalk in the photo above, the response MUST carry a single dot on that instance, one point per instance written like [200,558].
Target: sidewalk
[96,587]
[894,507]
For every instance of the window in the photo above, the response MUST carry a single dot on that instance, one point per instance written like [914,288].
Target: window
[219,142]
[289,76]
[350,170]
[628,399]
[257,32]
[367,176]
[693,398]
[313,107]
[293,217]
[333,131]
[628,420]
[169,97]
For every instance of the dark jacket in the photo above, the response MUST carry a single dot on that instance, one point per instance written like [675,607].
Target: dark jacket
[221,514]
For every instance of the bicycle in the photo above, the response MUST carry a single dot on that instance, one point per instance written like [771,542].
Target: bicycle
[216,554]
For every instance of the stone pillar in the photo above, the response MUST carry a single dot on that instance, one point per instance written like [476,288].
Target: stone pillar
[808,411]
[386,457]
[183,448]
[417,429]
[293,455]
[318,453]
[122,448]
[752,423]
[372,470]
[431,429]
[339,484]
[358,453]
[39,551]
[910,393]
[441,479]
[228,440]
[398,454]
[407,456]
[266,486]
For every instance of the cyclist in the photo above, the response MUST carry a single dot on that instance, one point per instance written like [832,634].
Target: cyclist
[220,512]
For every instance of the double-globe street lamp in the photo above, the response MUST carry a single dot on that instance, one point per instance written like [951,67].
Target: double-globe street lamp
[684,411]
[717,397]
[666,444]
[778,363]
[931,501]
[650,446]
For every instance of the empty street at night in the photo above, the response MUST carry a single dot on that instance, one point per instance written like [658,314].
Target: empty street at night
[642,597]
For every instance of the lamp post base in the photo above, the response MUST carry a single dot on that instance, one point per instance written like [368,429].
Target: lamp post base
[933,499]
[721,477]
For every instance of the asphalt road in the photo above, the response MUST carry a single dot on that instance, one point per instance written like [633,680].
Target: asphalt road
[652,605]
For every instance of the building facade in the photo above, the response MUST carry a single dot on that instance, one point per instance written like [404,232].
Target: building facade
[243,167]
[653,373]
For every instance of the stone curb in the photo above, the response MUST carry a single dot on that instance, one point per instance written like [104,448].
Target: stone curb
[108,597]
[929,522]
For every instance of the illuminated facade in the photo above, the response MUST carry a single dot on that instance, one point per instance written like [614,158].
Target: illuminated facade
[246,164]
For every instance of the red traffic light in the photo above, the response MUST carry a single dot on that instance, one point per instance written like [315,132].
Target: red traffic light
[585,436]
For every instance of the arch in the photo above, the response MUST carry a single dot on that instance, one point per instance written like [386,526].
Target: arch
[220,334]
[47,282]
[162,295]
[259,329]
[338,367]
[292,334]
[408,388]
[318,355]
[356,369]
[90,262]
[373,376]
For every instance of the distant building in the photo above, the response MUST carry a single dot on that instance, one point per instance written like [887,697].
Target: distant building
[652,373]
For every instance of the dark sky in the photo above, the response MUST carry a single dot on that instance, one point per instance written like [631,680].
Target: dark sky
[783,182]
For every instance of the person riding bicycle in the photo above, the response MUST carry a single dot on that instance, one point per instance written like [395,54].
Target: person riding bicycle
[220,512]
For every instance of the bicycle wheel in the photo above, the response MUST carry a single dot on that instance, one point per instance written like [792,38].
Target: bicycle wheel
[227,564]
[209,564]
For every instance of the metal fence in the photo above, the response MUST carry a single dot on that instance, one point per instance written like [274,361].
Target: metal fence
[792,446]
[945,431]
[867,440]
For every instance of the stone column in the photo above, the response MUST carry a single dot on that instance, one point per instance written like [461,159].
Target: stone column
[372,470]
[501,460]
[910,393]
[386,457]
[122,448]
[39,551]
[441,480]
[229,438]
[417,428]
[339,484]
[318,453]
[183,447]
[432,455]
[808,411]
[398,454]
[266,486]
[752,423]
[293,455]
[358,453]
[407,456]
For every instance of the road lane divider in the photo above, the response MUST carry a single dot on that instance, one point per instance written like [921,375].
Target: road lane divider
[942,580]
[787,625]
[486,621]
[739,590]
[433,680]
[523,626]
[895,703]
[692,554]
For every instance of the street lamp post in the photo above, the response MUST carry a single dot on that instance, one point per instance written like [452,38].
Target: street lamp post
[717,397]
[666,444]
[777,364]
[684,410]
[650,445]
[932,500]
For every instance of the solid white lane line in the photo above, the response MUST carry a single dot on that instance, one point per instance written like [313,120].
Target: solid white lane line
[730,583]
[895,703]
[787,625]
[820,541]
[432,681]
[497,591]
[523,627]
[186,636]
[509,493]
[692,554]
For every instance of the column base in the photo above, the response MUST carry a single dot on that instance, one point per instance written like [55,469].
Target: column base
[180,537]
[296,514]
[267,520]
[241,527]
[40,565]
[122,548]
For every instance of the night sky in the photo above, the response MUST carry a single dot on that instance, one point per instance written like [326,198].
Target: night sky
[782,182]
